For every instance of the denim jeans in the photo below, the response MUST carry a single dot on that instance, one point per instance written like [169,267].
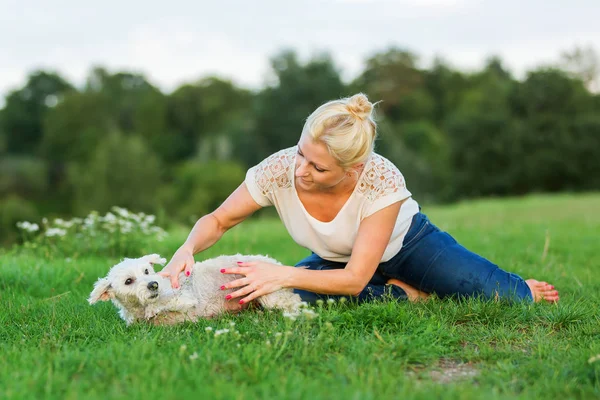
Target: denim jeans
[433,262]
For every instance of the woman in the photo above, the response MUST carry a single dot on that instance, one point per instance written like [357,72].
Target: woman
[351,208]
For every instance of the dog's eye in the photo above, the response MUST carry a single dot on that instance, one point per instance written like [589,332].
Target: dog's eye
[146,271]
[129,281]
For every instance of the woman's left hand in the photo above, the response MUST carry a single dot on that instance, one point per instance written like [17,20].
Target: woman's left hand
[260,278]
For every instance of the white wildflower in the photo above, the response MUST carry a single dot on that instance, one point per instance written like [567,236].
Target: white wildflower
[221,332]
[193,356]
[330,301]
[208,328]
[55,232]
[28,226]
[290,316]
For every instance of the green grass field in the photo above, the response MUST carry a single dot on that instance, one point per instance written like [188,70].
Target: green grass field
[54,345]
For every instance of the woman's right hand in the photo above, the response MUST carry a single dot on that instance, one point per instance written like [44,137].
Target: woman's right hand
[182,260]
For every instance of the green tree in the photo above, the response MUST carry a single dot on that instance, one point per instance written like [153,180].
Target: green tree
[282,108]
[483,146]
[392,77]
[123,172]
[207,119]
[25,109]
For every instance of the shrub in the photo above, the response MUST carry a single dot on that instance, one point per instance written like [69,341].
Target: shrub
[118,233]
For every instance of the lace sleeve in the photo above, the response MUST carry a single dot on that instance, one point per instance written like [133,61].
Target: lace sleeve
[382,184]
[272,174]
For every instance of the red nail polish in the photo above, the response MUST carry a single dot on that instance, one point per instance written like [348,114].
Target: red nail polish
[222,270]
[223,287]
[187,273]
[241,301]
[228,297]
[239,262]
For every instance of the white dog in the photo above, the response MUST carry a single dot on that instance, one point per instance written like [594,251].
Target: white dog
[142,295]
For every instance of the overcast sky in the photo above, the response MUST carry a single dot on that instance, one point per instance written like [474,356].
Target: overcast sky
[178,41]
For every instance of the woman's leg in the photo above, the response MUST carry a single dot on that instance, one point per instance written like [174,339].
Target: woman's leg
[432,261]
[376,289]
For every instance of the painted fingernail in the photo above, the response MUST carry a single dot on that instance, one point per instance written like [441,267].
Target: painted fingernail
[239,262]
[223,287]
[241,301]
[187,273]
[228,297]
[222,270]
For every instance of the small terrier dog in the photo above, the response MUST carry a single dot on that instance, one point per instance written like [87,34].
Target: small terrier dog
[140,294]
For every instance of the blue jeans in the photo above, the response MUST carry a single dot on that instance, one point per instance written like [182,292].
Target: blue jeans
[432,261]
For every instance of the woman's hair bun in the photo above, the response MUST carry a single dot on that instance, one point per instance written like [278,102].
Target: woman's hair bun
[360,106]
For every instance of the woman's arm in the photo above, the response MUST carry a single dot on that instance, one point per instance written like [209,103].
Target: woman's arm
[370,244]
[209,229]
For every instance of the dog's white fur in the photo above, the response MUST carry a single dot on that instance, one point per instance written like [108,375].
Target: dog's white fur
[142,295]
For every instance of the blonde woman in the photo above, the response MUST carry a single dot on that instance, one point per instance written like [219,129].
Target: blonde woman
[351,208]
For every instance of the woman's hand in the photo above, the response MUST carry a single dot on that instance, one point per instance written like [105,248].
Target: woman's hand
[183,260]
[260,278]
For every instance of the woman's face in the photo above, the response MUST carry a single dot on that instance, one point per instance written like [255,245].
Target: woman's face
[316,169]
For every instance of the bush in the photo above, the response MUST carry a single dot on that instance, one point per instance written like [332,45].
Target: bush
[118,233]
[12,210]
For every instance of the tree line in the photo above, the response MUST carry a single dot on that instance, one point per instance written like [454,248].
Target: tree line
[119,140]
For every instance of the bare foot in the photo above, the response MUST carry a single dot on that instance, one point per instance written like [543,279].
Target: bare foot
[542,291]
[412,293]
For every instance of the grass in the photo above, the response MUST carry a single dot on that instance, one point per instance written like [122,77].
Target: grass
[54,345]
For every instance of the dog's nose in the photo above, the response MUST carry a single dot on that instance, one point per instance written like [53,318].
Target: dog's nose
[153,285]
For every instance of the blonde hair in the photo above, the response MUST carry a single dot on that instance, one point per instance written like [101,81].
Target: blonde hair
[346,127]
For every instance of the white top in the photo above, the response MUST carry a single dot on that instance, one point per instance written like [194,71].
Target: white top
[380,184]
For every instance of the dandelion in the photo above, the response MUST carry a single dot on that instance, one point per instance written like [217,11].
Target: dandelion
[343,299]
[330,301]
[319,302]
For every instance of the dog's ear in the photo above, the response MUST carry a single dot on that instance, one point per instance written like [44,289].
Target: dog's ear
[101,291]
[155,259]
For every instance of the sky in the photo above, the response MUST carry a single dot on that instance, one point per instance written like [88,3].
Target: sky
[180,41]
